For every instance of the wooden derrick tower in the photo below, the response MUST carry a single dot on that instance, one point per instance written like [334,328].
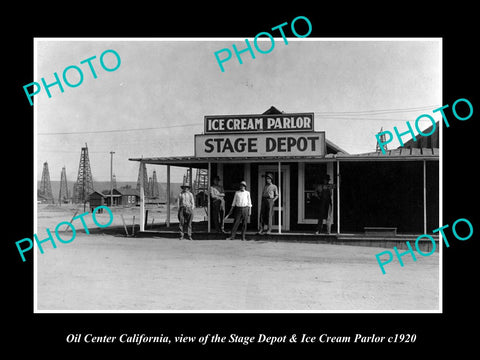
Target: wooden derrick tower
[63,195]
[155,190]
[145,178]
[45,189]
[84,185]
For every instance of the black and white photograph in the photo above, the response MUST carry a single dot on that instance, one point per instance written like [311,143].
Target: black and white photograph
[201,179]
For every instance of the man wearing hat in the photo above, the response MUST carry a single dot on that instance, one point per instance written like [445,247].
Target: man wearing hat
[218,205]
[242,209]
[269,196]
[323,192]
[186,204]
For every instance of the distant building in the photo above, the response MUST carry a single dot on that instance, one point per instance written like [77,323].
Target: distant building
[116,197]
[124,197]
[43,199]
[96,199]
[130,197]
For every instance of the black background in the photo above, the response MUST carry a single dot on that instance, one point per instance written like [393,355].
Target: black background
[45,334]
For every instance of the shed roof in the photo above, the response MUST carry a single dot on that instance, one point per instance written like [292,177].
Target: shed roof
[96,192]
[129,191]
[395,154]
[115,192]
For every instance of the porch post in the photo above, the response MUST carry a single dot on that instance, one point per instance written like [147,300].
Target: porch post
[208,197]
[338,197]
[168,196]
[279,198]
[142,199]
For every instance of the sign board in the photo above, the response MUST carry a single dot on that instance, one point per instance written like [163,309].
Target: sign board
[261,144]
[217,124]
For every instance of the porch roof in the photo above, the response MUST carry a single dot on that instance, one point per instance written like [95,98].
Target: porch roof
[402,154]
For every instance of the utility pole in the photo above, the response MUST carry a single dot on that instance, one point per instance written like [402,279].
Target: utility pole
[111,177]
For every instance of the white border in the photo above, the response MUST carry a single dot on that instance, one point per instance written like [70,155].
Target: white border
[35,209]
[440,189]
[390,39]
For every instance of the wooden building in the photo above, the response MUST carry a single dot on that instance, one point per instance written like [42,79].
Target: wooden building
[96,199]
[129,197]
[399,189]
[122,197]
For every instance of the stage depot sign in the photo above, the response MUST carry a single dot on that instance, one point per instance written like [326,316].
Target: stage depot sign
[260,144]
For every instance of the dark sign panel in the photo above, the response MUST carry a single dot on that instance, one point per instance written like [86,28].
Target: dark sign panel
[217,124]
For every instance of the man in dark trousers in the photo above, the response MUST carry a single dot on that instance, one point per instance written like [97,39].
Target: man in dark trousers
[186,204]
[241,209]
[269,196]
[323,193]
[218,205]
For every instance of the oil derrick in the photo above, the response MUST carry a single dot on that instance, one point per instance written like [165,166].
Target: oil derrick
[200,188]
[187,177]
[63,195]
[155,190]
[45,189]
[145,178]
[382,139]
[148,192]
[84,185]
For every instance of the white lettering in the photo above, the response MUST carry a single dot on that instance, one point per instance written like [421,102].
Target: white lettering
[242,124]
[213,125]
[299,122]
[307,123]
[258,123]
[236,124]
[278,123]
[270,123]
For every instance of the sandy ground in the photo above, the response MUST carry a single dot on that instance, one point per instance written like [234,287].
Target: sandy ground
[107,272]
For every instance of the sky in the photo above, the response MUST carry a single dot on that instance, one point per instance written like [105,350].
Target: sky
[155,102]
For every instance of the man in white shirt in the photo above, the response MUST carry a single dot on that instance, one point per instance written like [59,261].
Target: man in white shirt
[186,204]
[242,209]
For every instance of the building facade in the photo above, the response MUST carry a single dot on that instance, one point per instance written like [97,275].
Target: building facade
[399,189]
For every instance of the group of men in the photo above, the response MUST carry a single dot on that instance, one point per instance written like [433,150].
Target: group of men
[241,207]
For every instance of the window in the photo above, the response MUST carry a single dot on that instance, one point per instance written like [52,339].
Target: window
[313,175]
[309,176]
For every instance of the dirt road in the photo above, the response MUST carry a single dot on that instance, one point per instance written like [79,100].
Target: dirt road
[106,272]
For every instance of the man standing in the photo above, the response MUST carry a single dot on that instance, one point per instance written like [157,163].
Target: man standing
[242,209]
[186,204]
[218,205]
[269,196]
